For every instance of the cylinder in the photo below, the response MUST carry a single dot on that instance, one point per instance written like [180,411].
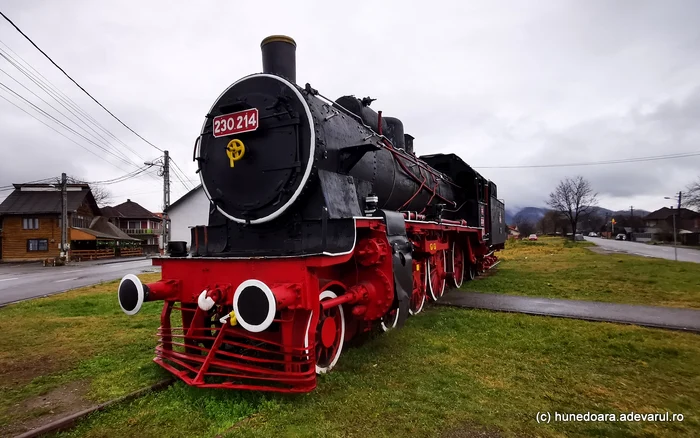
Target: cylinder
[279,56]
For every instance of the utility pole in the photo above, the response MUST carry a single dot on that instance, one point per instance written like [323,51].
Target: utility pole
[64,215]
[166,198]
[165,231]
[677,212]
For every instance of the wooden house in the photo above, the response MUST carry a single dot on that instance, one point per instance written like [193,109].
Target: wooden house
[30,224]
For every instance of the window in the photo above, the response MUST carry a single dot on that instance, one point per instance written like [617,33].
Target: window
[30,223]
[37,245]
[81,221]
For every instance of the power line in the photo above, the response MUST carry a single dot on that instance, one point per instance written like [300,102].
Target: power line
[72,108]
[122,178]
[60,133]
[64,125]
[597,163]
[39,181]
[53,91]
[182,177]
[76,83]
[105,142]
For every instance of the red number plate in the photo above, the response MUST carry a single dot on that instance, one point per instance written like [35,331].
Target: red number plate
[235,123]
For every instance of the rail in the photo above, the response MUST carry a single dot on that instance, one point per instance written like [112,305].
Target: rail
[131,252]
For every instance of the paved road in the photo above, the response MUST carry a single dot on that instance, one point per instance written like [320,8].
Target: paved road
[660,317]
[24,281]
[642,249]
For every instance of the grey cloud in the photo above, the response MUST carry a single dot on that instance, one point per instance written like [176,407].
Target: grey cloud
[498,83]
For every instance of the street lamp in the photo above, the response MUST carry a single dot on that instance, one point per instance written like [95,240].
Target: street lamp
[675,244]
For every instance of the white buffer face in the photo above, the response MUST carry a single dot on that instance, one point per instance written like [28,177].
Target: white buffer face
[254,305]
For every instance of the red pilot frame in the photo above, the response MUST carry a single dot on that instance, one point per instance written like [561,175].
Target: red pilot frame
[273,324]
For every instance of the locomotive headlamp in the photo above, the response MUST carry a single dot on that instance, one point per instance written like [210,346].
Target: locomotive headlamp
[132,293]
[254,305]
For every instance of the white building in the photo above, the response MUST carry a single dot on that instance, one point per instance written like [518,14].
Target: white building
[190,210]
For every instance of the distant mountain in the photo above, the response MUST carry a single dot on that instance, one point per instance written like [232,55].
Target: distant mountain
[529,214]
[621,213]
[534,214]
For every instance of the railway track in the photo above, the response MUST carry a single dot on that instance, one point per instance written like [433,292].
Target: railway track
[69,421]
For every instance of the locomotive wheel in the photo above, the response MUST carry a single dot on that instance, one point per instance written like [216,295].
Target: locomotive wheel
[390,319]
[330,334]
[436,275]
[457,265]
[471,271]
[420,283]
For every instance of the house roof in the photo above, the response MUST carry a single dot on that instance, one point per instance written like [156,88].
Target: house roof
[109,212]
[91,233]
[185,196]
[128,210]
[102,225]
[45,198]
[666,213]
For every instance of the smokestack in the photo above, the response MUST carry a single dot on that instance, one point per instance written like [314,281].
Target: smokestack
[279,56]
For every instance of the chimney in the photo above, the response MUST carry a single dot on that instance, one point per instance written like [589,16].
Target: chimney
[128,200]
[279,56]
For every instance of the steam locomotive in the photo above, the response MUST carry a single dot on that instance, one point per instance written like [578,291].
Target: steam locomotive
[324,224]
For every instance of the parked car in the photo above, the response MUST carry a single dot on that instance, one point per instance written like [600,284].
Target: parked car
[621,237]
[532,237]
[592,234]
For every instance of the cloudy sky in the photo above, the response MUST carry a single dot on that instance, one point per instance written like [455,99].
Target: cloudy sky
[516,83]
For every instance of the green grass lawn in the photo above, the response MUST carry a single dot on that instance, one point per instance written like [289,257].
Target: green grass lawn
[557,268]
[449,372]
[80,336]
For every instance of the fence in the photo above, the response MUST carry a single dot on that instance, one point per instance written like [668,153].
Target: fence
[130,252]
[140,230]
[91,254]
[642,237]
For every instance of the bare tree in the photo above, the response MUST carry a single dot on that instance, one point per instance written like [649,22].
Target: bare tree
[592,220]
[101,194]
[573,198]
[692,196]
[551,222]
[524,224]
